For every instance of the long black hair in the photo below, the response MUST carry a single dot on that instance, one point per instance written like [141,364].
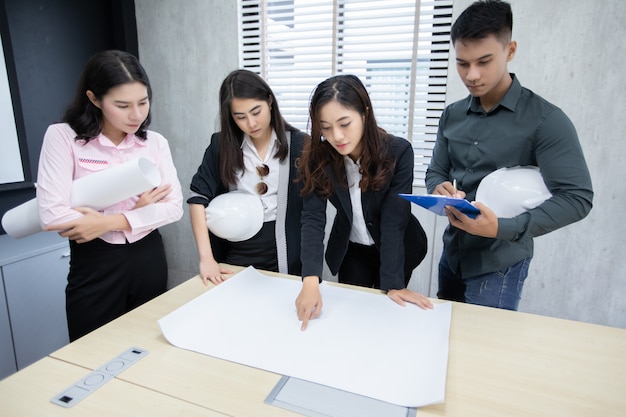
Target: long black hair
[376,161]
[244,84]
[103,71]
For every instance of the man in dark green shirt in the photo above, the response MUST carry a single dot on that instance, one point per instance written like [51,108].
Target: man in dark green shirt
[500,124]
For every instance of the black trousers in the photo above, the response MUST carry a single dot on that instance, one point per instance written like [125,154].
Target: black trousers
[361,266]
[106,280]
[259,251]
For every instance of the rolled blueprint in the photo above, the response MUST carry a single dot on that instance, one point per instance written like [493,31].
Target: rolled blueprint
[22,220]
[98,190]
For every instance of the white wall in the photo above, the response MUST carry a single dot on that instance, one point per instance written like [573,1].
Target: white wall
[10,159]
[571,53]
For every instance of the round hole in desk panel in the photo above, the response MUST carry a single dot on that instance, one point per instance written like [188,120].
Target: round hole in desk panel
[94,379]
[115,366]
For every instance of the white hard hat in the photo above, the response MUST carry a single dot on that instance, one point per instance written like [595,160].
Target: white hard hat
[511,191]
[235,216]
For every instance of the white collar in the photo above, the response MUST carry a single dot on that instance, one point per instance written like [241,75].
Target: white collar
[247,141]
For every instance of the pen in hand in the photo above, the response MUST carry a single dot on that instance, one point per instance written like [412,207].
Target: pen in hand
[454,186]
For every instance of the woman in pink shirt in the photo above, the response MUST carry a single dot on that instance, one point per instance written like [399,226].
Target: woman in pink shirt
[117,255]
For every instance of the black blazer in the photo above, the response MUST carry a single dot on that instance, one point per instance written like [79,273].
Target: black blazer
[397,234]
[207,183]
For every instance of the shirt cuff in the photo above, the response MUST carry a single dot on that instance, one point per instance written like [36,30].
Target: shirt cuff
[513,228]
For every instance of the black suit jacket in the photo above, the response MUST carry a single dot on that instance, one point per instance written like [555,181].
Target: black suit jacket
[207,183]
[397,234]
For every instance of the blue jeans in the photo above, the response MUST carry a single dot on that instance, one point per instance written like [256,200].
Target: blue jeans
[500,289]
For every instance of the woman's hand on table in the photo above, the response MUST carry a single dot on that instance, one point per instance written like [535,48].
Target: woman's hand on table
[405,295]
[211,271]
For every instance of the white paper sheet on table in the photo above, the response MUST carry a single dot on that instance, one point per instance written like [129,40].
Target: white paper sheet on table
[362,343]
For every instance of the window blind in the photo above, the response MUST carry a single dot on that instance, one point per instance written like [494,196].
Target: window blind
[398,48]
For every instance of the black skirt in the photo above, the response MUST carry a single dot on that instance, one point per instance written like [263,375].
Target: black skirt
[259,251]
[107,280]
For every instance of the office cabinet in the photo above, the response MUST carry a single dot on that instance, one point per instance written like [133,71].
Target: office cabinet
[34,275]
[7,354]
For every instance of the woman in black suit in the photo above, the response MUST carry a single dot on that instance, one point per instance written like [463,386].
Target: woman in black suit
[357,166]
[254,152]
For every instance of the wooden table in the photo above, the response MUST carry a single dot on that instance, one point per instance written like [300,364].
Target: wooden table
[501,363]
[28,393]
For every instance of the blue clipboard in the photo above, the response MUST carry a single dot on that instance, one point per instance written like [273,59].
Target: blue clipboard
[436,203]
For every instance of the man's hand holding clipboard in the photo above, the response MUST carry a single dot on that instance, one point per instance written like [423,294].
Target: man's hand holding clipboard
[436,204]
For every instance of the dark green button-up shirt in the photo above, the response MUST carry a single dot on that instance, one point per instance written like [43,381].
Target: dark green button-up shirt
[523,129]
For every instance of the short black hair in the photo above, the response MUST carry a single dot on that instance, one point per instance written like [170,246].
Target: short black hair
[482,19]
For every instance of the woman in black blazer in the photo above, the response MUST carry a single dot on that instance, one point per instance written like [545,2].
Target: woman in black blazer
[254,152]
[357,166]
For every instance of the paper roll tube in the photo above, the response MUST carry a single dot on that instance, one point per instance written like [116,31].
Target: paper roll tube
[98,190]
[22,220]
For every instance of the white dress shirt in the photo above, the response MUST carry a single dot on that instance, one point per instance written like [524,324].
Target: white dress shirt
[359,233]
[249,178]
